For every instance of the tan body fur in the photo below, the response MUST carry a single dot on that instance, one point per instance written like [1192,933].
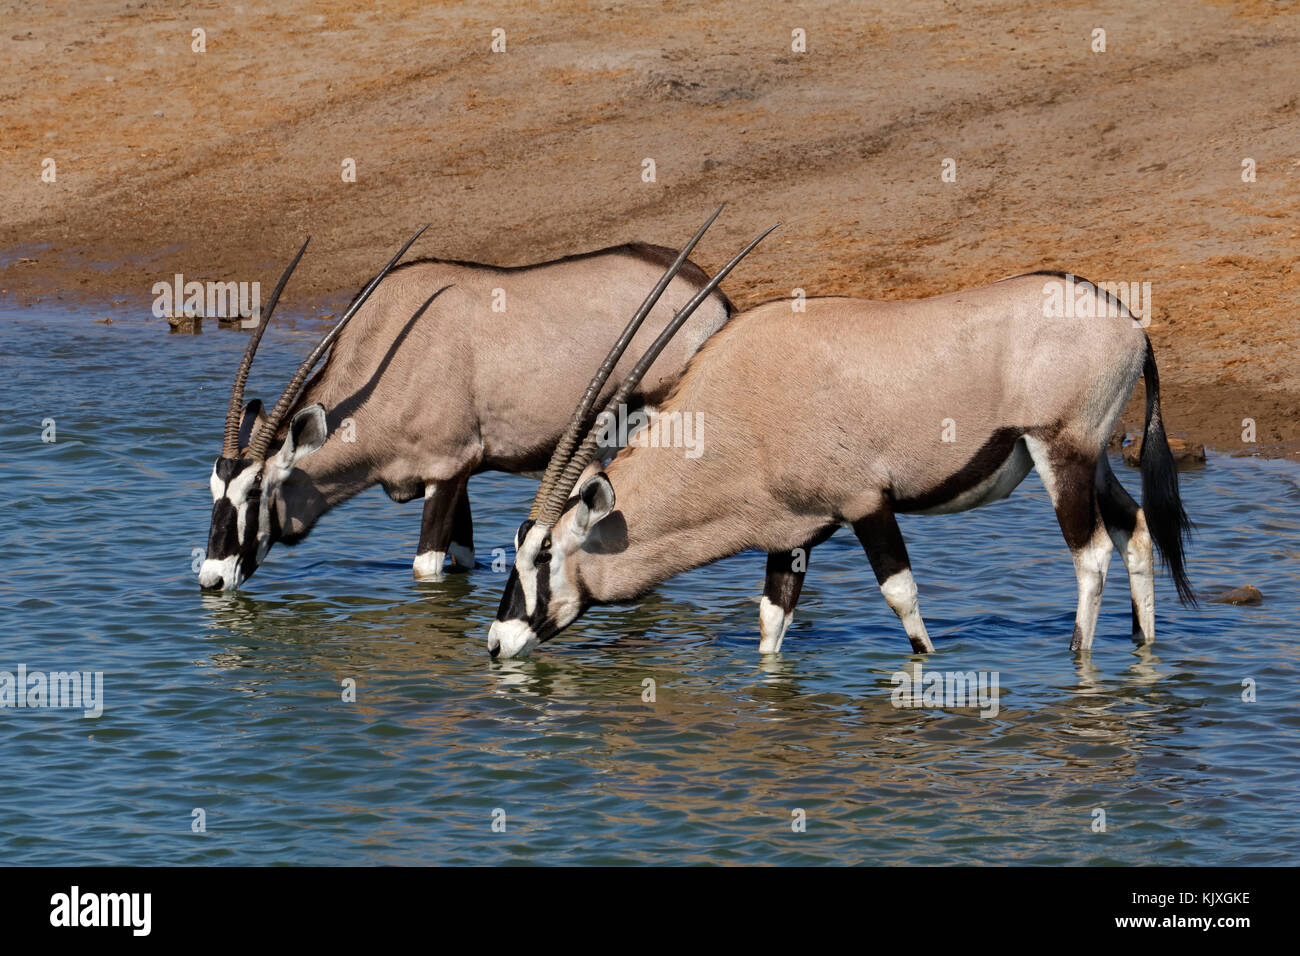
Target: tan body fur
[432,385]
[854,411]
[862,390]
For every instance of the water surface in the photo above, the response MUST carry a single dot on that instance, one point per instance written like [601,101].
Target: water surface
[233,704]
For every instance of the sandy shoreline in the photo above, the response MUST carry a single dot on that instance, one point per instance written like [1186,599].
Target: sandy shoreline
[1117,166]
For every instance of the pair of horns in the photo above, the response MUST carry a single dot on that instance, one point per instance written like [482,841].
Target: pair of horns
[566,464]
[261,439]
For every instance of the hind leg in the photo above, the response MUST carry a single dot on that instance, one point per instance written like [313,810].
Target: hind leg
[1127,527]
[1070,477]
[883,543]
[785,574]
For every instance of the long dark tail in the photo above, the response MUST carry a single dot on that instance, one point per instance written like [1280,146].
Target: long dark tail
[1166,519]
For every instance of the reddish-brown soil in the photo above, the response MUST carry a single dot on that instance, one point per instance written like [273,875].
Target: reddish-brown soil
[1118,166]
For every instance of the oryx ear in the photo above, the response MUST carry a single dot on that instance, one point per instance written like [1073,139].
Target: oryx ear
[307,432]
[595,502]
[253,416]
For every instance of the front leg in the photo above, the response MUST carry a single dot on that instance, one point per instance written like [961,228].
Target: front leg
[461,549]
[878,532]
[441,509]
[785,574]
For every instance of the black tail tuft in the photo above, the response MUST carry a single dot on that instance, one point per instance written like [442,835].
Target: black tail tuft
[1166,520]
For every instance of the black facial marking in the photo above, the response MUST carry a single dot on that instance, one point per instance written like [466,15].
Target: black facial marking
[514,607]
[248,550]
[228,468]
[223,534]
[543,606]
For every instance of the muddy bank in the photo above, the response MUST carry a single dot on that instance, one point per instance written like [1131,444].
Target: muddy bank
[1124,165]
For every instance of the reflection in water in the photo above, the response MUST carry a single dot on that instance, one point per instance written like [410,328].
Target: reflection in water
[235,702]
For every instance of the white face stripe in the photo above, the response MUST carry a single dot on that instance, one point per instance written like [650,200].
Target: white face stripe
[237,494]
[566,600]
[237,488]
[526,568]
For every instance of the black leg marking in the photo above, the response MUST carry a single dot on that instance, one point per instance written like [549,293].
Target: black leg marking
[1070,476]
[883,541]
[440,507]
[785,574]
[784,582]
[462,530]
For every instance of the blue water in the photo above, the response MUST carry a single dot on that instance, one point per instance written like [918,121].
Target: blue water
[233,705]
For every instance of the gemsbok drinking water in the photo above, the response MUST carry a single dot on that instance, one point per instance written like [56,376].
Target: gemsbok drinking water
[453,368]
[849,413]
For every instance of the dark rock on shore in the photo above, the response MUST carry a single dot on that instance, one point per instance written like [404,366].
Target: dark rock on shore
[1248,594]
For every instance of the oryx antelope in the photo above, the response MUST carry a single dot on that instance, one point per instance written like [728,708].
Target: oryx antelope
[440,370]
[838,415]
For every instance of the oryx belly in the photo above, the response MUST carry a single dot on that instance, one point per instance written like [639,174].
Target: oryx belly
[995,486]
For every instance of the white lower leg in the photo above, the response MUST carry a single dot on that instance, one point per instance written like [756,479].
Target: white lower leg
[899,590]
[1139,559]
[1090,563]
[428,566]
[773,622]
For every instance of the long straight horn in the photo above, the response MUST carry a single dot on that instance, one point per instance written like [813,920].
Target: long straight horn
[257,447]
[230,443]
[578,421]
[586,453]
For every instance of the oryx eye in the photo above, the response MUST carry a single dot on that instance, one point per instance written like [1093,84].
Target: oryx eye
[544,553]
